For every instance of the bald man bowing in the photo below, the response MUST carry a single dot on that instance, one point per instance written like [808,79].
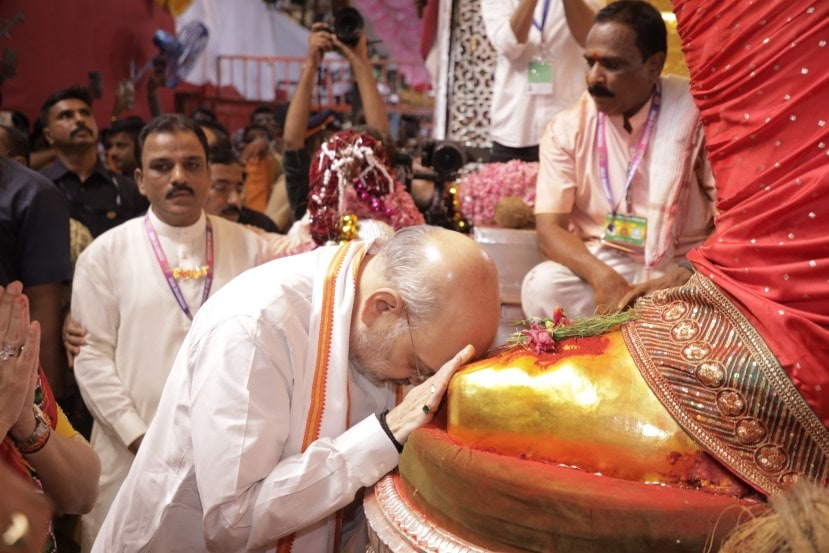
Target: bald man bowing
[281,404]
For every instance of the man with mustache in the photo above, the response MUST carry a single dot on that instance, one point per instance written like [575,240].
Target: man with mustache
[137,288]
[98,198]
[224,198]
[624,187]
[227,183]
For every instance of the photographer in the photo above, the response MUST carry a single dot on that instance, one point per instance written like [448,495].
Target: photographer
[297,151]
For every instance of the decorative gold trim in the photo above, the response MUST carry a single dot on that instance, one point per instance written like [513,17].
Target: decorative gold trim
[721,382]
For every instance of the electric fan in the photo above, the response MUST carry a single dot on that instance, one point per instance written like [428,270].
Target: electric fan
[179,53]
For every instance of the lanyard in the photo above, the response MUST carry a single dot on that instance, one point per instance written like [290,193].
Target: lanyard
[168,272]
[638,153]
[544,13]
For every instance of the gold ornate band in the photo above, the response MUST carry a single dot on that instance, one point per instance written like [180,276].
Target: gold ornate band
[718,378]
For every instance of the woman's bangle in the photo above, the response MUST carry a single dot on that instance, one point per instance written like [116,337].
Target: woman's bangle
[39,437]
[381,416]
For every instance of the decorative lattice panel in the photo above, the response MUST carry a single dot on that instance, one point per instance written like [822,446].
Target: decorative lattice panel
[472,60]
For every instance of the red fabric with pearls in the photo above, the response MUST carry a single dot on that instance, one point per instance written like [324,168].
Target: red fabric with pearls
[759,77]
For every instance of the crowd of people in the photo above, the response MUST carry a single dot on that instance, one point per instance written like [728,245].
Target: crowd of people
[254,420]
[192,206]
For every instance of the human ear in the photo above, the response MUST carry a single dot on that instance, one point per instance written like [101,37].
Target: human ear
[139,180]
[655,64]
[378,304]
[47,134]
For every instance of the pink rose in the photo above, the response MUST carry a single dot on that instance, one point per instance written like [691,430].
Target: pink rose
[539,339]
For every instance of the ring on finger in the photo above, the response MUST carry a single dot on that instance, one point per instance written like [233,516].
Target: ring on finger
[9,350]
[427,409]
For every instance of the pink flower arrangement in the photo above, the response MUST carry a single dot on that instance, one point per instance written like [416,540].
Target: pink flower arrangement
[481,190]
[539,339]
[540,336]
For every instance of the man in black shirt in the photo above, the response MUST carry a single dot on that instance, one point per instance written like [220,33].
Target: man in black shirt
[99,198]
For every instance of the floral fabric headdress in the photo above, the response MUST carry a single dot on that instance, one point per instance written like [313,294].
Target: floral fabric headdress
[351,179]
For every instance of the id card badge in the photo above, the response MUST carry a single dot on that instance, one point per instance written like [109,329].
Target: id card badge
[625,231]
[540,77]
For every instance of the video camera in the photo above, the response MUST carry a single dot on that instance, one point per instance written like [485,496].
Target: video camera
[445,157]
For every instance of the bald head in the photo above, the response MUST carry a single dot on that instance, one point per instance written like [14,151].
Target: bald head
[450,285]
[426,295]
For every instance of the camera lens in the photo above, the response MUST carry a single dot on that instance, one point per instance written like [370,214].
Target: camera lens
[448,158]
[348,26]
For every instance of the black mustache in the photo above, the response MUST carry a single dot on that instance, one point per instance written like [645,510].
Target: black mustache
[231,209]
[79,129]
[180,188]
[598,91]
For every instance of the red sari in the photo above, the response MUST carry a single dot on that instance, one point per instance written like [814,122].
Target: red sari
[9,455]
[760,78]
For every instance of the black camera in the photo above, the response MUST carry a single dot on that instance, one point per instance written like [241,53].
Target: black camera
[445,157]
[348,26]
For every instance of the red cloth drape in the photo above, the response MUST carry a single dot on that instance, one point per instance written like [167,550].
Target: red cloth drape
[430,27]
[760,77]
[46,401]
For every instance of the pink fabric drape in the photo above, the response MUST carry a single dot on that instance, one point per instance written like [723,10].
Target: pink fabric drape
[396,23]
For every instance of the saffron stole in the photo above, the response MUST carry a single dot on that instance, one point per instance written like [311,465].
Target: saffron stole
[317,411]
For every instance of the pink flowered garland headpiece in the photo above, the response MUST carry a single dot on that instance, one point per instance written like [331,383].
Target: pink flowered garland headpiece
[351,178]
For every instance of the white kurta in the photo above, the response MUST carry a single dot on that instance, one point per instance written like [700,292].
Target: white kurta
[135,326]
[673,188]
[221,467]
[517,117]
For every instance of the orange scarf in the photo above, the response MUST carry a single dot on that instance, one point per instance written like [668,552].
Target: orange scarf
[328,413]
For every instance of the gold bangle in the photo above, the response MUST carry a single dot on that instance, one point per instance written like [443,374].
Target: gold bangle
[39,436]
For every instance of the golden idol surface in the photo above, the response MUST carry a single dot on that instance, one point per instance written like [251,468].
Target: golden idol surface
[585,405]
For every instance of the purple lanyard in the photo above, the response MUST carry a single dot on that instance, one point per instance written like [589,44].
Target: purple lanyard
[638,153]
[544,13]
[168,273]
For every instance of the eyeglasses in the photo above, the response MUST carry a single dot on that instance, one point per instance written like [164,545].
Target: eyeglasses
[414,351]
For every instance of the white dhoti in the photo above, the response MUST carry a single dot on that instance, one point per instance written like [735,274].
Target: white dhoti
[549,284]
